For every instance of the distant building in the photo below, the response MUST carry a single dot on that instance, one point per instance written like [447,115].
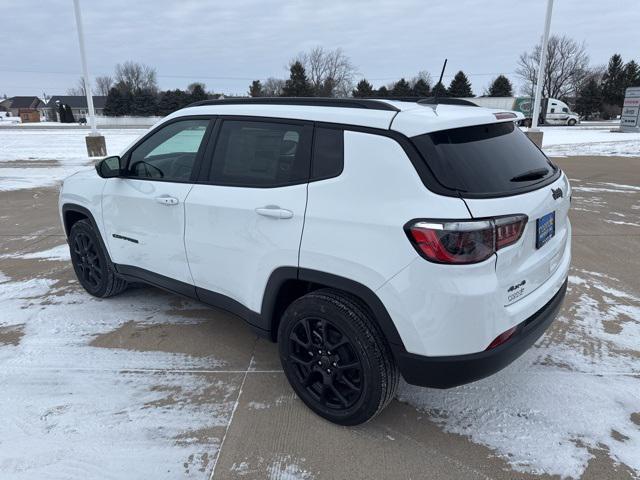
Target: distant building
[77,103]
[27,108]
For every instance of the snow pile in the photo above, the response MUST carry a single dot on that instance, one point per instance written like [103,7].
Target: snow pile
[577,390]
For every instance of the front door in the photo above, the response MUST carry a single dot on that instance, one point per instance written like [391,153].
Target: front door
[144,211]
[246,219]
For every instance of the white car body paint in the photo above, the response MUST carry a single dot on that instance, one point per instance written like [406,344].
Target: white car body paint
[133,212]
[231,248]
[213,237]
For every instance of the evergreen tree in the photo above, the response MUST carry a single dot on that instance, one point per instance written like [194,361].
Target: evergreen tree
[172,100]
[166,103]
[255,89]
[382,92]
[421,88]
[183,99]
[401,89]
[197,93]
[363,89]
[631,74]
[501,87]
[298,84]
[439,90]
[614,82]
[118,103]
[144,103]
[589,99]
[112,103]
[460,86]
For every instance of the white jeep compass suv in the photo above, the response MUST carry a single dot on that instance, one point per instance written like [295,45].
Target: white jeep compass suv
[369,238]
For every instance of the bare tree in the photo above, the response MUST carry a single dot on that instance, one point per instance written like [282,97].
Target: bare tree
[103,85]
[565,68]
[78,89]
[592,73]
[330,72]
[272,87]
[134,77]
[422,75]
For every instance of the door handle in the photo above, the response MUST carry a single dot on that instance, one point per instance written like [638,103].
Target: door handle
[167,200]
[274,211]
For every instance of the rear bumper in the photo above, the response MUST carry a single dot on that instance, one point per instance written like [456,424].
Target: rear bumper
[451,371]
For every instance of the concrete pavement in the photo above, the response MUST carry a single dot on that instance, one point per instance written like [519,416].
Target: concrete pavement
[261,430]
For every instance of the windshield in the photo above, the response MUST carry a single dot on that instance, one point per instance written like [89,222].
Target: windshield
[484,159]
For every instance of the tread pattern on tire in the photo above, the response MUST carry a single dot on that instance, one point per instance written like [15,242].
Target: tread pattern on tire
[375,341]
[114,283]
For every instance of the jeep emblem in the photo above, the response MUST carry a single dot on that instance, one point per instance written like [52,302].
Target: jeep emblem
[557,193]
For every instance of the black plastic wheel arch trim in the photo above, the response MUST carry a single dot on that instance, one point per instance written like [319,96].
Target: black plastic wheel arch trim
[265,322]
[72,207]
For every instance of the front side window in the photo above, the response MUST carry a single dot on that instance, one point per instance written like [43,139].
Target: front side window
[261,154]
[170,153]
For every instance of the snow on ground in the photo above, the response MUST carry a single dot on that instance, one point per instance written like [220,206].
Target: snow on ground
[543,413]
[60,253]
[37,158]
[70,410]
[589,140]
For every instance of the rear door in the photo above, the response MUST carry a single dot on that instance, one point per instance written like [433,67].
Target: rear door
[498,171]
[244,218]
[143,211]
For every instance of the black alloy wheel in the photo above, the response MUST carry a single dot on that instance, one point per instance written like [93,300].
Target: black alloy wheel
[336,357]
[87,261]
[91,262]
[326,363]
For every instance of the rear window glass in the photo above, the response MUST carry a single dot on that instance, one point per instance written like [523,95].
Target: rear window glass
[484,159]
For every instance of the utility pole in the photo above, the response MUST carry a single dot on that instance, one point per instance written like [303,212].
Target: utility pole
[534,130]
[96,146]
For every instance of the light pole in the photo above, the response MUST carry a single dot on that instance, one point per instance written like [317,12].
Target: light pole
[96,146]
[543,61]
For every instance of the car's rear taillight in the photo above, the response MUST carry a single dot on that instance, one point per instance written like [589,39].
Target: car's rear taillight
[465,241]
[509,230]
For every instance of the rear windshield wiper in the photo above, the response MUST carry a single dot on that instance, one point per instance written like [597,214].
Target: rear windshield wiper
[529,175]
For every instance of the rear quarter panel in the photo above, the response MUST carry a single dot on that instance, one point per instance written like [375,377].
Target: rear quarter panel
[354,222]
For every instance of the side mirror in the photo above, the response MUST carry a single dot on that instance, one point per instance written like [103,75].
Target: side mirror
[109,167]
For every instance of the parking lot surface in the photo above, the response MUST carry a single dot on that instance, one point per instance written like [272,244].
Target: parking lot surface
[150,385]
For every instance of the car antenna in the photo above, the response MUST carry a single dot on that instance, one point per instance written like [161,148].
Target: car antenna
[435,96]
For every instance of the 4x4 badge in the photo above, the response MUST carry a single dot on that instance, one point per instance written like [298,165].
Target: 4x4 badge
[557,193]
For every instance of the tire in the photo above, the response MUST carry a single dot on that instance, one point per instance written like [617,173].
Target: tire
[336,357]
[571,122]
[91,262]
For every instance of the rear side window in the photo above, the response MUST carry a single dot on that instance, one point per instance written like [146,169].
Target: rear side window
[261,154]
[488,159]
[328,153]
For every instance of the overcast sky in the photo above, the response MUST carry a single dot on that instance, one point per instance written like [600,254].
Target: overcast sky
[226,44]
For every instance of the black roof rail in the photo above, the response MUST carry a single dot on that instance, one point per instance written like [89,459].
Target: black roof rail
[367,103]
[446,101]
